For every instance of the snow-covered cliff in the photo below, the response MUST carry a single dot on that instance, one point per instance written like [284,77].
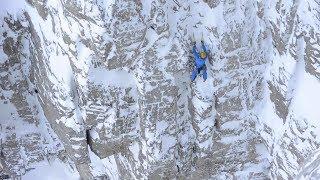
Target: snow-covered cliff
[100,89]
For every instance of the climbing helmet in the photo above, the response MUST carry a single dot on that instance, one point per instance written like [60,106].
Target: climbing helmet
[203,54]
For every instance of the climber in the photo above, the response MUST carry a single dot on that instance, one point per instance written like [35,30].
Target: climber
[200,62]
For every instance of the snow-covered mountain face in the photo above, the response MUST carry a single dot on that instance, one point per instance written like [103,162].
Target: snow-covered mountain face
[101,89]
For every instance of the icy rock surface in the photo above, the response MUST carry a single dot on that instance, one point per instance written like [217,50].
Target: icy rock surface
[100,89]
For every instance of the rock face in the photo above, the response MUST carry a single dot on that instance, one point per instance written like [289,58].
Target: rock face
[101,89]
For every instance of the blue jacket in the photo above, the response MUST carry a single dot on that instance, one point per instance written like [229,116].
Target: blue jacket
[200,63]
[198,60]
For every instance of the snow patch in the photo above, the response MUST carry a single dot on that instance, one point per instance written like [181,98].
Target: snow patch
[70,122]
[61,68]
[306,97]
[55,170]
[117,78]
[13,7]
